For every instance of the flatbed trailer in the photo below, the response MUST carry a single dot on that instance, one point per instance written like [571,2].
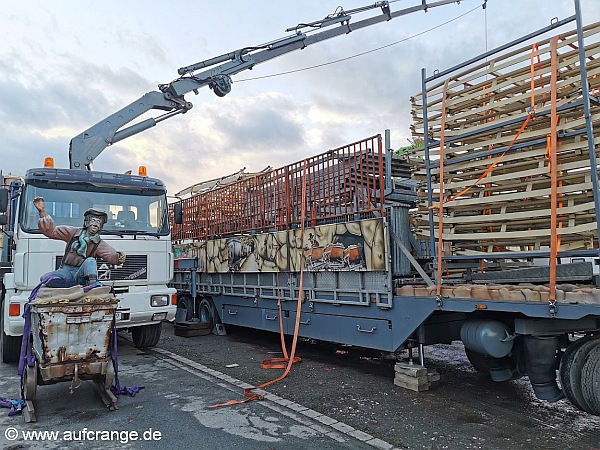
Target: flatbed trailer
[356,243]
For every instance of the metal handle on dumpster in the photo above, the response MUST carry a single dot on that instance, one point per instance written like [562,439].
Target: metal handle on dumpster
[270,318]
[232,313]
[372,330]
[306,322]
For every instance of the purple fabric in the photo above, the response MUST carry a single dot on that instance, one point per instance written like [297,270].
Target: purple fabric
[26,357]
[16,406]
[117,389]
[127,390]
[89,287]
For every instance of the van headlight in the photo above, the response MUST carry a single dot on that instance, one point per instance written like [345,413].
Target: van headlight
[159,300]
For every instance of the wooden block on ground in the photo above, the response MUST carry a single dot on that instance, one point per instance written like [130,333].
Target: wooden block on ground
[190,329]
[411,370]
[413,386]
[433,375]
[423,379]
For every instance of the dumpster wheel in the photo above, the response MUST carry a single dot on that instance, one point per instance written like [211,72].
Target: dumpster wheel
[109,377]
[29,389]
[102,385]
[28,392]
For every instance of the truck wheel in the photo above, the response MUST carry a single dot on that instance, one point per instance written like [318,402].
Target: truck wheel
[146,336]
[10,346]
[590,380]
[207,312]
[570,370]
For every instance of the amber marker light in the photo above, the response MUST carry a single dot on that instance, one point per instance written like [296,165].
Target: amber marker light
[142,171]
[14,309]
[480,306]
[49,163]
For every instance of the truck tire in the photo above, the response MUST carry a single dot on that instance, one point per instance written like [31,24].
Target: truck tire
[10,346]
[570,371]
[146,336]
[207,313]
[590,380]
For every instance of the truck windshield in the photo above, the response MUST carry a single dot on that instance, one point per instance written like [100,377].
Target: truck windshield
[129,211]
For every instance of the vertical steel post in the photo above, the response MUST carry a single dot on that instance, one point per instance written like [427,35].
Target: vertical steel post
[388,161]
[428,168]
[588,119]
[380,175]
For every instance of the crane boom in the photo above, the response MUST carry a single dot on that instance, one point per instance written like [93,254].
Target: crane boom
[85,147]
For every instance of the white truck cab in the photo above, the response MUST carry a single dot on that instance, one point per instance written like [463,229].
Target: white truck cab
[137,226]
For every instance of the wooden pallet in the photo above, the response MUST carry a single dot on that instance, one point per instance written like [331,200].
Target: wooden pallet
[497,183]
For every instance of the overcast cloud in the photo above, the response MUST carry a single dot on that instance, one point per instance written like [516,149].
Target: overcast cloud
[65,65]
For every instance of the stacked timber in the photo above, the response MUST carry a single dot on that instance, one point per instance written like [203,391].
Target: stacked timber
[490,126]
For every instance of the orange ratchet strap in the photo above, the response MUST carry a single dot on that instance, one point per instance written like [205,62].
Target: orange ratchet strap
[285,362]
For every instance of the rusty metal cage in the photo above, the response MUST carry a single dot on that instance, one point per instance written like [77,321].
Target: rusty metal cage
[346,183]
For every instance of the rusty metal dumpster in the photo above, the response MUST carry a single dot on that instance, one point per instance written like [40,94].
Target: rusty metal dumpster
[71,334]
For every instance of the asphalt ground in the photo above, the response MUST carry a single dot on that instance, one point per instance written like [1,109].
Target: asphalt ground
[337,397]
[171,411]
[354,386]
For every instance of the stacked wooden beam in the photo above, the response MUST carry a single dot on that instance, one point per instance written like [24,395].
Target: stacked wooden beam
[496,185]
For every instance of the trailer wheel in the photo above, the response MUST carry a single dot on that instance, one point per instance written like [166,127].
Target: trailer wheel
[207,312]
[570,371]
[146,336]
[10,346]
[590,380]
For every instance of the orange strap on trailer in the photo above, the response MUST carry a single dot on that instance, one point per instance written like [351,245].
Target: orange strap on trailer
[554,168]
[495,163]
[285,362]
[440,249]
[534,48]
[280,363]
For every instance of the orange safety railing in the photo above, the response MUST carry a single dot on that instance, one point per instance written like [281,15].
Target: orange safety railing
[346,183]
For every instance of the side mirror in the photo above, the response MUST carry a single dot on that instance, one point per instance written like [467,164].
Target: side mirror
[178,213]
[3,219]
[3,200]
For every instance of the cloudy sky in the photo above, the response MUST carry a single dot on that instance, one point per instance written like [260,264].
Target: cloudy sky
[65,65]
